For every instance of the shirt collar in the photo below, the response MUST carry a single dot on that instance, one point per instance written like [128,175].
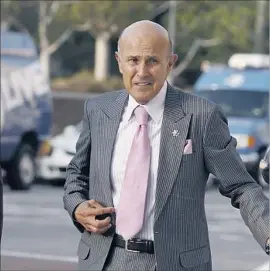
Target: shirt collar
[154,107]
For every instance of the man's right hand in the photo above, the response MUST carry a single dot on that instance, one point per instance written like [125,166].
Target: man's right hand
[86,213]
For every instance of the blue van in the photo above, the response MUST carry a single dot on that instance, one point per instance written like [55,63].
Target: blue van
[242,90]
[26,109]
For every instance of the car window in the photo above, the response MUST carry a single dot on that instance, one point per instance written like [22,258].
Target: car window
[17,43]
[237,103]
[17,61]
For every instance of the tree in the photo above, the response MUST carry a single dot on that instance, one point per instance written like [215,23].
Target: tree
[37,18]
[47,13]
[225,26]
[261,27]
[10,11]
[104,20]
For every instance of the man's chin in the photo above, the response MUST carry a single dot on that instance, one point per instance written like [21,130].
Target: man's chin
[142,99]
[142,95]
[146,88]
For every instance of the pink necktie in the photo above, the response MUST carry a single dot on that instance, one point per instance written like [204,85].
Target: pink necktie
[130,211]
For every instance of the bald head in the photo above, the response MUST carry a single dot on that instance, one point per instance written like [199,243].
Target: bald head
[144,29]
[144,59]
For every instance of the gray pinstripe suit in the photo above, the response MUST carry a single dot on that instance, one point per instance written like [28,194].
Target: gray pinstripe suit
[180,229]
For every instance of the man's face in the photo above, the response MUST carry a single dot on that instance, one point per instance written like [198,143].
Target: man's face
[144,64]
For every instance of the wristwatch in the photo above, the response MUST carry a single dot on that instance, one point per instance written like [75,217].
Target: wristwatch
[267,246]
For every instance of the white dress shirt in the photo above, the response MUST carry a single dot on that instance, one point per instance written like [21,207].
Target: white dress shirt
[124,138]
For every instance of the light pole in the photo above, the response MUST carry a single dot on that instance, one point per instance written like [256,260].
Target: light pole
[172,30]
[260,26]
[172,21]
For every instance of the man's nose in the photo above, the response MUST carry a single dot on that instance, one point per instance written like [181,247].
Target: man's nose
[142,69]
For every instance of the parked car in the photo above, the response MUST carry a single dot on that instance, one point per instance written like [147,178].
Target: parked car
[242,90]
[26,108]
[61,149]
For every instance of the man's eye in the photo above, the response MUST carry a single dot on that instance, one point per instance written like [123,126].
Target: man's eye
[152,61]
[132,60]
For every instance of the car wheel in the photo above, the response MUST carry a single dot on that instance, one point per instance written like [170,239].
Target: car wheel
[21,173]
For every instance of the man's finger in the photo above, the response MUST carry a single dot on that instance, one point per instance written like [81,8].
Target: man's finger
[95,204]
[101,223]
[91,221]
[98,230]
[98,211]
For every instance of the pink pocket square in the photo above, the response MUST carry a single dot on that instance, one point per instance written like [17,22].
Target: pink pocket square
[188,147]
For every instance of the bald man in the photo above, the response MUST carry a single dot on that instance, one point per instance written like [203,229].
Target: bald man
[135,188]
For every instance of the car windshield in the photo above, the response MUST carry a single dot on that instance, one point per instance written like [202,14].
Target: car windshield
[16,61]
[237,103]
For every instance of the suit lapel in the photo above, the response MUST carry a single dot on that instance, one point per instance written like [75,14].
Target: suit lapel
[174,131]
[108,126]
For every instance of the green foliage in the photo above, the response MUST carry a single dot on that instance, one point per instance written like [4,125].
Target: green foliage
[9,8]
[105,16]
[230,21]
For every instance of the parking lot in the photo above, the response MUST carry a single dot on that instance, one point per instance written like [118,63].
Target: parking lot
[39,235]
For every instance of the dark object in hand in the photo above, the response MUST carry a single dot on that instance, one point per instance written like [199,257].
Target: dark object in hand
[101,217]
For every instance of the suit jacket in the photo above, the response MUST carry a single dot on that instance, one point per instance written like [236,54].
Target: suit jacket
[180,228]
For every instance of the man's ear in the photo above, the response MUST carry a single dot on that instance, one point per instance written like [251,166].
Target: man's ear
[117,56]
[172,61]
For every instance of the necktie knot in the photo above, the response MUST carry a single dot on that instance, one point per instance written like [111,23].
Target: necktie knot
[141,115]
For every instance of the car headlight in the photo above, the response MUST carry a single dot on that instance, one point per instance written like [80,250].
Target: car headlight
[45,149]
[244,141]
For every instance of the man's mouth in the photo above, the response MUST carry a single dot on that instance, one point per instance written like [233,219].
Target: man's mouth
[143,84]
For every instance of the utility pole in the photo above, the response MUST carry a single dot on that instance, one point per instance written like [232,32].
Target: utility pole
[172,21]
[172,30]
[259,38]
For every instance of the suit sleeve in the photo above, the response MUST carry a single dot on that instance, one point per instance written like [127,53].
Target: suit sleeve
[223,161]
[76,188]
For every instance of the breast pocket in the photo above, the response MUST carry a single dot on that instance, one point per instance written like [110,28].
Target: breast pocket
[192,258]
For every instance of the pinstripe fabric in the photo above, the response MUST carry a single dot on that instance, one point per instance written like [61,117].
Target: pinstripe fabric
[180,227]
[119,259]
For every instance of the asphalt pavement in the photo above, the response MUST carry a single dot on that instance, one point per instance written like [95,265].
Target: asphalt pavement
[39,235]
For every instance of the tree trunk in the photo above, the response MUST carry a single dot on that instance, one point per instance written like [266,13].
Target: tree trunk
[102,57]
[45,64]
[44,42]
